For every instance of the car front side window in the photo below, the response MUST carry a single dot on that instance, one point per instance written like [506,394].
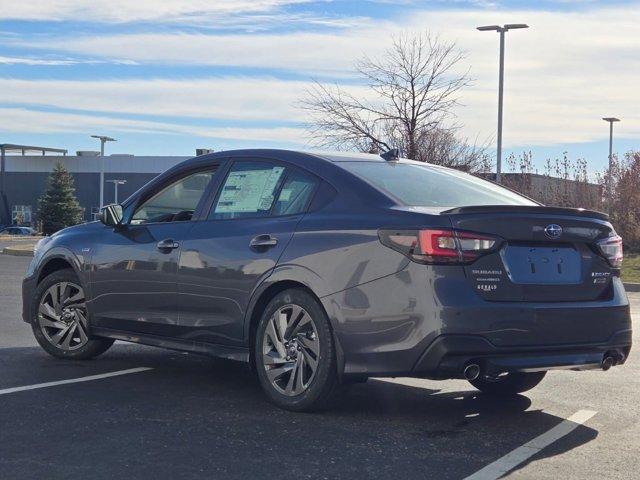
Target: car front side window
[176,202]
[249,191]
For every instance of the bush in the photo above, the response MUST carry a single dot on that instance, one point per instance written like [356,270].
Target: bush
[624,201]
[565,183]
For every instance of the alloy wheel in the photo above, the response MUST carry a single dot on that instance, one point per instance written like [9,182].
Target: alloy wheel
[290,350]
[62,316]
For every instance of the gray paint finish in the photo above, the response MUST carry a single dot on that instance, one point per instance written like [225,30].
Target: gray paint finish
[390,315]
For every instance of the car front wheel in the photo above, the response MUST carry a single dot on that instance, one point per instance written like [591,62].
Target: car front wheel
[60,320]
[294,352]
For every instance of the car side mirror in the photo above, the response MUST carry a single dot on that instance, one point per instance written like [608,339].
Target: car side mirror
[111,215]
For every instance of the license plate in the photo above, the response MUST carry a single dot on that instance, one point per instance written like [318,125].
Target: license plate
[542,265]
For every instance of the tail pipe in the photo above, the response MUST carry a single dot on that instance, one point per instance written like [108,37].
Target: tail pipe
[471,371]
[607,362]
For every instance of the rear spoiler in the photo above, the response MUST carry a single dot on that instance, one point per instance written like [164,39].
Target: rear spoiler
[579,212]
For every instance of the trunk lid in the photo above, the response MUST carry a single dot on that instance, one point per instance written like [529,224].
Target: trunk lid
[547,254]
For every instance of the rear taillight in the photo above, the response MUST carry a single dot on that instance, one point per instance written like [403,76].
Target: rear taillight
[439,246]
[611,248]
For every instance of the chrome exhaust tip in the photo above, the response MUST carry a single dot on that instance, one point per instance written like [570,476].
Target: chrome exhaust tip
[471,371]
[608,362]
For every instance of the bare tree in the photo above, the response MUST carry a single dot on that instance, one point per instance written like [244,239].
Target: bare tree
[442,146]
[412,89]
[624,202]
[563,182]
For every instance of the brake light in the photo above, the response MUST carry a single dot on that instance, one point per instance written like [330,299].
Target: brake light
[611,248]
[438,246]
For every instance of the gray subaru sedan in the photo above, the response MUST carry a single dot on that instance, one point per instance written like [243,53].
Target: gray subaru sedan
[325,269]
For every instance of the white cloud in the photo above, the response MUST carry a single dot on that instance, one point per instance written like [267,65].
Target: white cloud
[235,98]
[24,120]
[120,11]
[297,51]
[56,61]
[563,74]
[33,61]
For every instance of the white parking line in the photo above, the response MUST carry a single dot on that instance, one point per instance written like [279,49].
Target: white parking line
[74,380]
[512,459]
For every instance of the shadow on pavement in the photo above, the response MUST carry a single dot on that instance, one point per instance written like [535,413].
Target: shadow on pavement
[195,417]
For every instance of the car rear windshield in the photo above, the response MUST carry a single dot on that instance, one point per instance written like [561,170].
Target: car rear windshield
[429,186]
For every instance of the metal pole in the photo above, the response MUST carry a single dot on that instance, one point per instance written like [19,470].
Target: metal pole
[610,148]
[501,30]
[5,206]
[500,97]
[102,172]
[115,193]
[610,182]
[609,185]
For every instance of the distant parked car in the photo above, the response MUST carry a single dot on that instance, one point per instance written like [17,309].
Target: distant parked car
[18,231]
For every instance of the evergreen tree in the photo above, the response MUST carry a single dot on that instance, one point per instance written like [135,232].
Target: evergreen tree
[58,207]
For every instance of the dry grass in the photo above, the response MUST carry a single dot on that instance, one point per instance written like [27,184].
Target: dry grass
[631,268]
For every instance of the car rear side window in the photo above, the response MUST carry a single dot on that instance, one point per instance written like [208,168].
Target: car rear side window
[249,191]
[429,186]
[295,193]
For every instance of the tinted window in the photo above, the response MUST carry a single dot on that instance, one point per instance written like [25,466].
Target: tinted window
[424,185]
[323,196]
[295,194]
[248,191]
[176,202]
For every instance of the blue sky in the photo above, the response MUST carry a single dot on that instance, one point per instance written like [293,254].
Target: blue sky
[165,77]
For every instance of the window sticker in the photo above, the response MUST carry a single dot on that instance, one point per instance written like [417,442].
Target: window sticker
[249,190]
[285,195]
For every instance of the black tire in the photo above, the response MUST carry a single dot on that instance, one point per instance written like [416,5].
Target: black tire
[318,393]
[83,349]
[511,384]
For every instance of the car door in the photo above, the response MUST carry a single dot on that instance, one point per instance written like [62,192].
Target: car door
[134,267]
[226,256]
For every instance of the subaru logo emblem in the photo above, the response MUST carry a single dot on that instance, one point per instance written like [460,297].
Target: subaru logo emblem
[553,231]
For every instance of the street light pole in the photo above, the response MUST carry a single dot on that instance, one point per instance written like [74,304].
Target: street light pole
[115,188]
[500,104]
[501,30]
[611,121]
[103,139]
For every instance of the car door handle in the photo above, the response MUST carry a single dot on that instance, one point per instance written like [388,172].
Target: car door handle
[263,241]
[167,244]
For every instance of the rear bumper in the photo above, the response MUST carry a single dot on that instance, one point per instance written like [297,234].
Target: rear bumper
[428,322]
[448,355]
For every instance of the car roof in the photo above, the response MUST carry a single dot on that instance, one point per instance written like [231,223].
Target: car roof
[331,156]
[347,156]
[324,164]
[302,157]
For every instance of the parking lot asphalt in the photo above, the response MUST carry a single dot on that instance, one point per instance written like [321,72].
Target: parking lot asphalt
[194,417]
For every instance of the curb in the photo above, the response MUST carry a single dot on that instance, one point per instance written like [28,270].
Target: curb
[632,287]
[18,252]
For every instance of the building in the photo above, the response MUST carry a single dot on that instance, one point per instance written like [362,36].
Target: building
[554,191]
[23,178]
